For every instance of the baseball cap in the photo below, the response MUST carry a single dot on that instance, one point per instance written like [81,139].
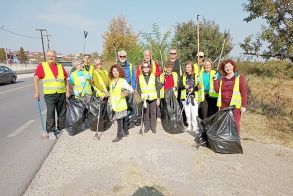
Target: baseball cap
[200,54]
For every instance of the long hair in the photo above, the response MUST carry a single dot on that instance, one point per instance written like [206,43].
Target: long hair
[120,70]
[222,66]
[141,67]
[192,68]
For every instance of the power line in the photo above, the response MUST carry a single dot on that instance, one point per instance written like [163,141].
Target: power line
[18,34]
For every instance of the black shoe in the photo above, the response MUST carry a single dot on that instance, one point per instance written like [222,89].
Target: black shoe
[117,139]
[125,134]
[146,130]
[154,131]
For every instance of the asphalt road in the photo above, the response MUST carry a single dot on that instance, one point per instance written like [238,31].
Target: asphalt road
[21,149]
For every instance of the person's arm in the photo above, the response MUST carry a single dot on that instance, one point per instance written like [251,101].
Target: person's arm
[39,74]
[126,86]
[138,88]
[158,86]
[217,85]
[36,87]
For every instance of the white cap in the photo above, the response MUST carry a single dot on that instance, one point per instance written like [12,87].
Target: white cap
[200,54]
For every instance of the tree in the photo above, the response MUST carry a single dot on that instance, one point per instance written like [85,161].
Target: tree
[21,55]
[158,44]
[210,40]
[2,55]
[121,36]
[275,39]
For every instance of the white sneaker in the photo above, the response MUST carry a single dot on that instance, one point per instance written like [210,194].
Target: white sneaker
[52,136]
[188,128]
[158,120]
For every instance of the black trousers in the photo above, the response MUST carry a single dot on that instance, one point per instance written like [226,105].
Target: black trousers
[55,102]
[208,107]
[122,128]
[150,115]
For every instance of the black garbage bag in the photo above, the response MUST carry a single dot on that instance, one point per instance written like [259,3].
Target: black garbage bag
[74,115]
[98,109]
[219,132]
[171,114]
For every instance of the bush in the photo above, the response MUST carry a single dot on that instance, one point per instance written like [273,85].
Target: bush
[266,69]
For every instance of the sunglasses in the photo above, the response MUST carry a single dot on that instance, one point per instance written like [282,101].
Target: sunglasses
[200,56]
[172,53]
[145,67]
[122,56]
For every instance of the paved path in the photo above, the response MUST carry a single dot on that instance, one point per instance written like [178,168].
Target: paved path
[160,163]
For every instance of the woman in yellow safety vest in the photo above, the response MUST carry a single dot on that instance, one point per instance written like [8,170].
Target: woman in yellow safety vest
[209,104]
[119,89]
[100,80]
[232,90]
[79,81]
[189,85]
[149,89]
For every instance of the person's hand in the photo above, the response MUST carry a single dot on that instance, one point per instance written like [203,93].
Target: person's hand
[174,88]
[187,86]
[68,94]
[36,95]
[105,96]
[215,77]
[145,104]
[124,94]
[243,109]
[158,102]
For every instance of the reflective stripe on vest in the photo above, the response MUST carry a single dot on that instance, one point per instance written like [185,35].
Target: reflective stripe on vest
[117,101]
[78,87]
[51,85]
[236,99]
[148,91]
[162,78]
[183,92]
[200,92]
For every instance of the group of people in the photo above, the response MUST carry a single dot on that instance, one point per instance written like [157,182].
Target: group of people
[200,89]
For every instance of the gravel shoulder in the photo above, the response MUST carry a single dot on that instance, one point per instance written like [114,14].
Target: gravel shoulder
[160,164]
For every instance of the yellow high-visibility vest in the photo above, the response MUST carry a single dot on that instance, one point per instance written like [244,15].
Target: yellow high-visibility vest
[212,92]
[117,101]
[236,99]
[101,82]
[148,90]
[183,92]
[91,69]
[51,85]
[78,87]
[175,78]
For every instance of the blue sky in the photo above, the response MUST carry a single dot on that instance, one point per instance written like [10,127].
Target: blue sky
[65,20]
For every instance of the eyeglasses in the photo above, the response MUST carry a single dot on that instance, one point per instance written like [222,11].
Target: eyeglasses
[122,56]
[172,53]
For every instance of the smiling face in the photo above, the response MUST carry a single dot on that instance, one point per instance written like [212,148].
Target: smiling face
[115,72]
[228,68]
[51,57]
[98,64]
[168,69]
[145,68]
[188,68]
[147,56]
[207,66]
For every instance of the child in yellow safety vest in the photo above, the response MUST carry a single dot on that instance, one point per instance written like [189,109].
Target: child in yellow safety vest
[190,85]
[149,89]
[119,89]
[169,80]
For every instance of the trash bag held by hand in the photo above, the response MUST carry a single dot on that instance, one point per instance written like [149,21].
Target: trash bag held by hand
[98,109]
[221,132]
[74,114]
[171,115]
[132,110]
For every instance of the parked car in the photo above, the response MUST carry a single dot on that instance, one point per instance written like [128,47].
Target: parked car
[7,75]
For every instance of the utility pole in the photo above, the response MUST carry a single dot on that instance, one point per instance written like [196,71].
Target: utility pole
[48,40]
[42,38]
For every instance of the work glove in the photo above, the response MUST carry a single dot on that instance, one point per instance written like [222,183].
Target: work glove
[144,104]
